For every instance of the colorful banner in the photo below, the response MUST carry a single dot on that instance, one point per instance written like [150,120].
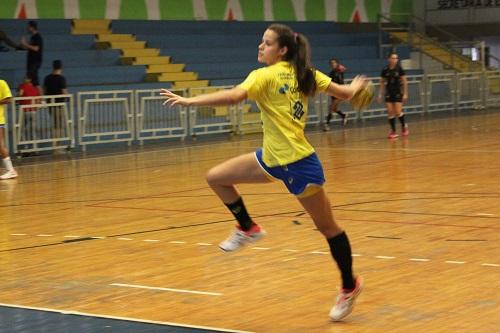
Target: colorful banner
[241,10]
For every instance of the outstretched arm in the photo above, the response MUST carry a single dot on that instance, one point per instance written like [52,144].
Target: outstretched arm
[223,97]
[347,91]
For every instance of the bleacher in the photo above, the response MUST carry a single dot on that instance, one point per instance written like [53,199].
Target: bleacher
[85,67]
[218,51]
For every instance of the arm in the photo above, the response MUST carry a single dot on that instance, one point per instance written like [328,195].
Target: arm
[28,46]
[405,88]
[5,100]
[346,91]
[381,90]
[223,97]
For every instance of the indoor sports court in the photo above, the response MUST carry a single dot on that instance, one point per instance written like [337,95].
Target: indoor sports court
[135,236]
[110,225]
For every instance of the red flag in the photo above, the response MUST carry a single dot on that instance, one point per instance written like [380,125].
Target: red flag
[230,15]
[356,18]
[22,13]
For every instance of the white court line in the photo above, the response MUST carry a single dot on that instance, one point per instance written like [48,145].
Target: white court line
[260,248]
[98,237]
[18,234]
[151,240]
[44,235]
[455,262]
[137,320]
[290,250]
[485,214]
[177,242]
[124,238]
[318,252]
[71,236]
[419,259]
[204,244]
[356,255]
[166,289]
[490,265]
[384,257]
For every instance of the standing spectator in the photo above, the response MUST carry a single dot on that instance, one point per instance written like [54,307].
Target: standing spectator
[35,52]
[5,97]
[55,84]
[337,75]
[27,89]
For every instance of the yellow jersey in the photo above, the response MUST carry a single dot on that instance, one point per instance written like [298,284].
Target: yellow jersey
[4,93]
[283,111]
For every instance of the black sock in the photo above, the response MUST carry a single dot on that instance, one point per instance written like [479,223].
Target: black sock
[342,114]
[392,121]
[402,121]
[240,213]
[341,253]
[329,117]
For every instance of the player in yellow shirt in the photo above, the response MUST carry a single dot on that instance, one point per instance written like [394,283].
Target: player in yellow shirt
[5,96]
[281,91]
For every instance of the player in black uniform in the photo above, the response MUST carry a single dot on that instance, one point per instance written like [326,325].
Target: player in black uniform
[393,81]
[337,75]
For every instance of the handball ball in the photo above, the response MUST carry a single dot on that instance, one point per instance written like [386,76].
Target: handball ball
[362,98]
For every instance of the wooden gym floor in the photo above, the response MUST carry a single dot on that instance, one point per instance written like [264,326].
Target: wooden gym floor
[135,235]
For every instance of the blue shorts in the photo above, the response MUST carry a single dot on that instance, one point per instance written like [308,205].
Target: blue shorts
[302,178]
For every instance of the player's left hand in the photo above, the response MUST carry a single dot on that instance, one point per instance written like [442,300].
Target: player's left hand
[173,99]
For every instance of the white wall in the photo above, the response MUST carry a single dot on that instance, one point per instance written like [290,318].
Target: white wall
[468,12]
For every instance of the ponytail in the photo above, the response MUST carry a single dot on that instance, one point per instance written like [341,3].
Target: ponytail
[303,68]
[298,55]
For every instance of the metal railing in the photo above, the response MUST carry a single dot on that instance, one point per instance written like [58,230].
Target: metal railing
[42,123]
[418,40]
[157,121]
[105,116]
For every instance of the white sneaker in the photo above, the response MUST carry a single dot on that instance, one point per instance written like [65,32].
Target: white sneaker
[345,301]
[239,238]
[9,175]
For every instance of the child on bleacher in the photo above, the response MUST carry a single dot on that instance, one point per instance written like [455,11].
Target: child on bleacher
[27,89]
[282,90]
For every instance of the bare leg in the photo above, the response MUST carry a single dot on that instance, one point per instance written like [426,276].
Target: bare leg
[3,150]
[319,208]
[237,170]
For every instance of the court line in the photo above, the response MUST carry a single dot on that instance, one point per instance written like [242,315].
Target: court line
[136,320]
[185,291]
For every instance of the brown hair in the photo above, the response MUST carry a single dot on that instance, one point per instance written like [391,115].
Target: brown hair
[298,54]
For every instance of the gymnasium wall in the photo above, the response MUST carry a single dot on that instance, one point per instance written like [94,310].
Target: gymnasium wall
[459,12]
[242,10]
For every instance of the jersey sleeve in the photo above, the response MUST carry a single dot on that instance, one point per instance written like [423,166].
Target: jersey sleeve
[322,81]
[382,73]
[253,84]
[4,90]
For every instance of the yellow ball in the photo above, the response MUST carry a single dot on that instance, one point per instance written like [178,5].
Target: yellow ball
[363,98]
